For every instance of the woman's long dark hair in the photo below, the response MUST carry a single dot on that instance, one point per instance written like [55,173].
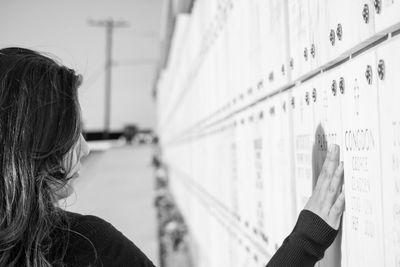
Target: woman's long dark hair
[39,125]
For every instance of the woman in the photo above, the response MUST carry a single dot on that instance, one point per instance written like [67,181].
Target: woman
[40,133]
[42,145]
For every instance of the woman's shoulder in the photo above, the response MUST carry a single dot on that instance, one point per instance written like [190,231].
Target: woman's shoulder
[87,223]
[95,241]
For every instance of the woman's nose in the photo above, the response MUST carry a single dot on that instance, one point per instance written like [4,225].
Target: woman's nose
[85,150]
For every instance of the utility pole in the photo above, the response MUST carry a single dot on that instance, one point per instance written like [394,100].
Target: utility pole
[109,25]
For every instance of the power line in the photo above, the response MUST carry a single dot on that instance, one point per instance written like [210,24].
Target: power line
[109,25]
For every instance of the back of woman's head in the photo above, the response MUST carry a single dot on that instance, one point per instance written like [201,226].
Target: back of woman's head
[39,125]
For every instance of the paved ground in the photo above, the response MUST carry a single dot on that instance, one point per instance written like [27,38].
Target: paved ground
[117,185]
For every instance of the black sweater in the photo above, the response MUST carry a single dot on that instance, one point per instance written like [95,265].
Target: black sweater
[306,244]
[95,242]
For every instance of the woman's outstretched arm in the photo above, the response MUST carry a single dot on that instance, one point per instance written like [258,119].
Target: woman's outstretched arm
[318,224]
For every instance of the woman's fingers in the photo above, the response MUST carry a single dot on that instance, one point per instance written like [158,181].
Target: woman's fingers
[334,187]
[336,211]
[328,168]
[327,200]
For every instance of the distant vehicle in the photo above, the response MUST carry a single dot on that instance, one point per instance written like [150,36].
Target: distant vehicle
[144,137]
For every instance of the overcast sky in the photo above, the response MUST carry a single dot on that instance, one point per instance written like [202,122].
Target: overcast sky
[60,27]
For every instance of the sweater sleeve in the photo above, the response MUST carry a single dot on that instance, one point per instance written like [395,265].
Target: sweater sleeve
[306,244]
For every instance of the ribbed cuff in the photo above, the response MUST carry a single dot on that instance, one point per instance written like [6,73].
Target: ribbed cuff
[313,233]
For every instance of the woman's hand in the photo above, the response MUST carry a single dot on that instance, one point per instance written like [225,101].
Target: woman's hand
[327,200]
